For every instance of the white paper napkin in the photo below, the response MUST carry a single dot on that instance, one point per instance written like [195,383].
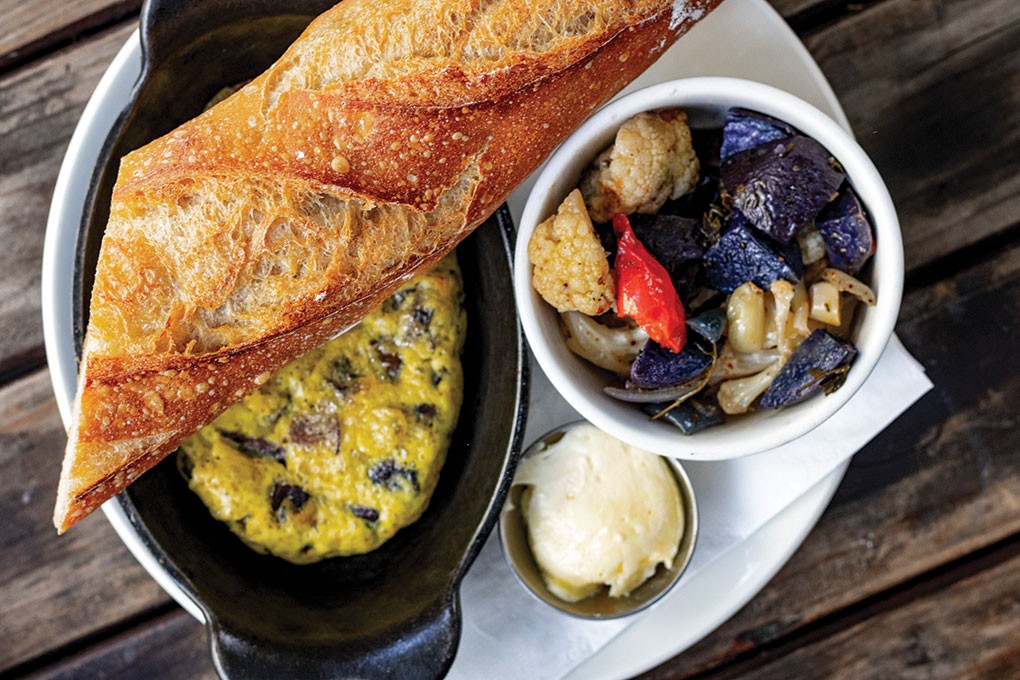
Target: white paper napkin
[509,634]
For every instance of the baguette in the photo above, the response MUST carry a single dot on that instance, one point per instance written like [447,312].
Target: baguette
[284,214]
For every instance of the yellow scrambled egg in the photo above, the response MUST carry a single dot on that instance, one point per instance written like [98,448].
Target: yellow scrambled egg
[342,448]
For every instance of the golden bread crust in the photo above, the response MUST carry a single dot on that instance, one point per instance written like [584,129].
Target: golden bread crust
[285,213]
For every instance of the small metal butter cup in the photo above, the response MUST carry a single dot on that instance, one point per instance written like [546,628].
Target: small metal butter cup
[517,551]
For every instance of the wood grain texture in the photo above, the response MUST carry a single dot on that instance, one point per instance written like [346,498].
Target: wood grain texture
[171,646]
[794,8]
[932,89]
[955,178]
[939,129]
[968,630]
[31,28]
[54,590]
[39,107]
[941,482]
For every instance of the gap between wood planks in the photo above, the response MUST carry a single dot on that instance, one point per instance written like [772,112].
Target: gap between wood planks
[919,587]
[94,639]
[961,259]
[826,12]
[64,36]
[22,364]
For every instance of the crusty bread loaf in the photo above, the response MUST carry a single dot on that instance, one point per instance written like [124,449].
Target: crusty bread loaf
[282,215]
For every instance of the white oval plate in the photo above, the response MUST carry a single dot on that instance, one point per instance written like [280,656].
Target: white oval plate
[742,38]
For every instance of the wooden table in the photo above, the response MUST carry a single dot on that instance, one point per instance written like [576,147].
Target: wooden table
[914,570]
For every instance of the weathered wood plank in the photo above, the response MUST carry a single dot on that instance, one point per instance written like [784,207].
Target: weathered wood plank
[172,646]
[932,88]
[39,107]
[967,630]
[940,130]
[34,28]
[55,589]
[922,494]
[31,28]
[794,8]
[941,482]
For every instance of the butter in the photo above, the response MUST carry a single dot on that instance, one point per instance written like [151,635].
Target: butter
[598,513]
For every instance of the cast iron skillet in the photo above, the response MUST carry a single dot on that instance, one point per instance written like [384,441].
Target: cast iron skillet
[394,612]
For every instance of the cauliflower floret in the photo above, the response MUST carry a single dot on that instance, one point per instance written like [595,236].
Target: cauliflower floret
[651,160]
[571,271]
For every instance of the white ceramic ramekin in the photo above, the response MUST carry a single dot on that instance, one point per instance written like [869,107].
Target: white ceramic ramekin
[705,100]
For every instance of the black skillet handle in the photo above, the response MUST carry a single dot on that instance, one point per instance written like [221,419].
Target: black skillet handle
[423,651]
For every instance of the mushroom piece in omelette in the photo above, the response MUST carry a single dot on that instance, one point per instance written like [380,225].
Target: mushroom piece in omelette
[342,448]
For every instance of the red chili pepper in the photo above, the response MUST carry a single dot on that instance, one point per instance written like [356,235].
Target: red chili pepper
[644,291]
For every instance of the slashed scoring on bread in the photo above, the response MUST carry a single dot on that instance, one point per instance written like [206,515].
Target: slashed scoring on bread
[282,215]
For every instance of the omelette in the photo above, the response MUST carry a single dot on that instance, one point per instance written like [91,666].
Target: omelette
[342,448]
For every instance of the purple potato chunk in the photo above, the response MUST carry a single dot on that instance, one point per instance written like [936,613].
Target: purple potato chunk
[672,240]
[709,325]
[781,186]
[812,364]
[847,233]
[745,130]
[676,243]
[744,254]
[706,205]
[657,366]
[694,415]
[696,203]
